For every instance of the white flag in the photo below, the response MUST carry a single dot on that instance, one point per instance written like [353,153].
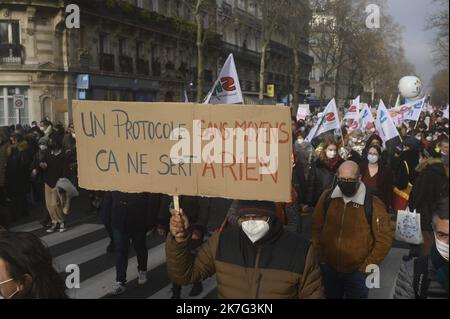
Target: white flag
[226,89]
[329,121]
[446,113]
[186,98]
[365,117]
[415,109]
[353,110]
[384,124]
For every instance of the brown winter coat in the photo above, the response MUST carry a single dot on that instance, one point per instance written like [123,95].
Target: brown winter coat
[282,265]
[344,240]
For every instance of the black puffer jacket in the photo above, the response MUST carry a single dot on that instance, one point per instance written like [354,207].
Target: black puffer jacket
[431,185]
[405,170]
[129,212]
[321,177]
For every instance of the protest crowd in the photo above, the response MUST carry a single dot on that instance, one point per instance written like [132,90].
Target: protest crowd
[356,182]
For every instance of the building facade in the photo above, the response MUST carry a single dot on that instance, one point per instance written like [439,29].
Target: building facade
[135,50]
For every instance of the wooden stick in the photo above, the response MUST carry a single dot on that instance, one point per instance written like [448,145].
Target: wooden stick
[176,203]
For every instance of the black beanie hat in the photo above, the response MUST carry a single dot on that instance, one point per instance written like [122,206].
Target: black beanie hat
[258,208]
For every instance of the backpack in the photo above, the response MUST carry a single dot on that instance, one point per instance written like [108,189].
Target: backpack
[421,282]
[368,209]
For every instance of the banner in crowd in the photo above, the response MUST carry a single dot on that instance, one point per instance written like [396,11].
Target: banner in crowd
[384,124]
[414,110]
[328,121]
[446,113]
[366,118]
[353,110]
[226,89]
[303,111]
[225,151]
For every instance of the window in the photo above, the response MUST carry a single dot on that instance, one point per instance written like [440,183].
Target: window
[138,49]
[139,3]
[9,115]
[123,47]
[104,44]
[9,32]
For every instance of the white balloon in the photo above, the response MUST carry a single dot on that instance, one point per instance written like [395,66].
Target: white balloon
[410,87]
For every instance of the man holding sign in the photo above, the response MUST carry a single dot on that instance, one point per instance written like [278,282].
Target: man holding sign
[280,264]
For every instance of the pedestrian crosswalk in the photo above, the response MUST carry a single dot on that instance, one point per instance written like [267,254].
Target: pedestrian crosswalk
[85,245]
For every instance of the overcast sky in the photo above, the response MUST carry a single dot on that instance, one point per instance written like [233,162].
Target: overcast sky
[418,43]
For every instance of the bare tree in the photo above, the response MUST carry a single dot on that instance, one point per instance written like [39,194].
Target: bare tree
[199,10]
[439,22]
[298,17]
[440,87]
[272,20]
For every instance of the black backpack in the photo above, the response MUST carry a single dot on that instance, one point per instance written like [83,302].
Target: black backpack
[368,209]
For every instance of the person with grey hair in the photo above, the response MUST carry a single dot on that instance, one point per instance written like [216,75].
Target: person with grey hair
[427,277]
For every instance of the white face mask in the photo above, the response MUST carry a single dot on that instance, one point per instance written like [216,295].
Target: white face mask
[429,138]
[73,135]
[331,154]
[373,159]
[255,229]
[42,147]
[13,294]
[300,140]
[441,247]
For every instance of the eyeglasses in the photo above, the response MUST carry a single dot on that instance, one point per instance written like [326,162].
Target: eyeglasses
[347,180]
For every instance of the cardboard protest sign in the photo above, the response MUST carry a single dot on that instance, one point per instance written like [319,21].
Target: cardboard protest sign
[303,111]
[224,151]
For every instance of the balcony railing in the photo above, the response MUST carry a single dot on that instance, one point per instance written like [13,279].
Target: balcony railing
[142,67]
[11,53]
[241,53]
[126,64]
[107,62]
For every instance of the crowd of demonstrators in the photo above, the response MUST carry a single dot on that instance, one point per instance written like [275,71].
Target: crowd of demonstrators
[351,186]
[32,162]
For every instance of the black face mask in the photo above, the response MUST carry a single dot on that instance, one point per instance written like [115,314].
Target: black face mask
[349,189]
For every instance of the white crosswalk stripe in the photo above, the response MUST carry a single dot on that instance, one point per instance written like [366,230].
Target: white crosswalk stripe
[81,255]
[72,233]
[98,285]
[27,228]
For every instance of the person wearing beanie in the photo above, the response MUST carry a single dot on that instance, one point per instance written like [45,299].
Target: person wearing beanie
[255,259]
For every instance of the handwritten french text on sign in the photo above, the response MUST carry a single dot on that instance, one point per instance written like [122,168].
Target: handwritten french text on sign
[185,149]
